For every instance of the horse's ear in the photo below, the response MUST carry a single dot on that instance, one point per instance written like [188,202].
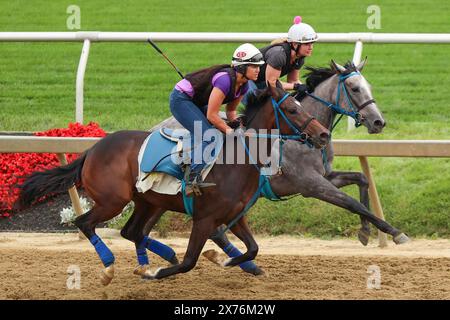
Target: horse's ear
[273,90]
[278,84]
[360,66]
[337,67]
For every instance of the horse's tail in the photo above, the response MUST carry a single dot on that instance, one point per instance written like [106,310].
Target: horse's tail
[53,181]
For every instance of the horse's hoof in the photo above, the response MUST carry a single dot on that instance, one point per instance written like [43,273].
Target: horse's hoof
[363,237]
[174,260]
[213,256]
[149,275]
[141,269]
[401,238]
[226,263]
[107,275]
[257,271]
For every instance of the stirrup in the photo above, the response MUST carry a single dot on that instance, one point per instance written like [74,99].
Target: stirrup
[194,183]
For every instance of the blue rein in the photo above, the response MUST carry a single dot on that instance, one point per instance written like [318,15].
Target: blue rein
[336,106]
[299,135]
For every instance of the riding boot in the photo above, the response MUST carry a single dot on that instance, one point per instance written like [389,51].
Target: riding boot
[194,182]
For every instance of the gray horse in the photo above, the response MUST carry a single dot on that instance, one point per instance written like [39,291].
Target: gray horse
[337,90]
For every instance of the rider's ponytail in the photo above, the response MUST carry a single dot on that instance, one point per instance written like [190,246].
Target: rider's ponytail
[278,41]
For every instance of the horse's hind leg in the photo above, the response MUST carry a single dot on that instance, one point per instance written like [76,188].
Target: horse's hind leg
[221,239]
[134,231]
[201,230]
[341,179]
[87,223]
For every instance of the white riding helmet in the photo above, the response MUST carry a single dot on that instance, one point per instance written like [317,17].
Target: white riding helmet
[301,32]
[247,54]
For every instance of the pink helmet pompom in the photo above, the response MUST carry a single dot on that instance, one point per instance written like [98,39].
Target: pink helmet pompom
[297,20]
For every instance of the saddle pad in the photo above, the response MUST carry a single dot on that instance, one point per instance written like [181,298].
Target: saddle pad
[166,176]
[157,155]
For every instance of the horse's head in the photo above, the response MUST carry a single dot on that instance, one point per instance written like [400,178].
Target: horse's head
[357,95]
[273,108]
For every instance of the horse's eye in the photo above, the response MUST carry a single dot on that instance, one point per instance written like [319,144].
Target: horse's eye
[292,111]
[355,89]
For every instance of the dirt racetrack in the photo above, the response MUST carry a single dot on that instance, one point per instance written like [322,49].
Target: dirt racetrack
[34,266]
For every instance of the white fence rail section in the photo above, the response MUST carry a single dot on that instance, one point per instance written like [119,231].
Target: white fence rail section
[93,36]
[359,148]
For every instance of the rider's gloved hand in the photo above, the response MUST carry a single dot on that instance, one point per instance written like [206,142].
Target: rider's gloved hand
[236,123]
[300,87]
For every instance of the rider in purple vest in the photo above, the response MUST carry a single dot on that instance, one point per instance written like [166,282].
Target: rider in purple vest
[196,100]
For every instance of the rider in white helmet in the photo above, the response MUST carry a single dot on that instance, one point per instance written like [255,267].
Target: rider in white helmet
[285,57]
[246,55]
[199,96]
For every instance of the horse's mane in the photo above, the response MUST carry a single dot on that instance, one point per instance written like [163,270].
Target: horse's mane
[254,100]
[317,75]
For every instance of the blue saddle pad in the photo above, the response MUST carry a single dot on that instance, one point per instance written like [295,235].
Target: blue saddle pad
[157,155]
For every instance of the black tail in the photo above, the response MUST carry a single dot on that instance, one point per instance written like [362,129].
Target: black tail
[53,181]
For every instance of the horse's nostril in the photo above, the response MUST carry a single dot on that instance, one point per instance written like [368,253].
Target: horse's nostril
[379,123]
[324,136]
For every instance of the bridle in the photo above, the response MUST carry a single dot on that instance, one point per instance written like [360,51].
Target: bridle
[299,133]
[354,110]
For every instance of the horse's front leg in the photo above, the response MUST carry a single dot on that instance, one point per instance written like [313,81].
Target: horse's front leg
[242,231]
[341,179]
[320,188]
[220,239]
[134,231]
[201,230]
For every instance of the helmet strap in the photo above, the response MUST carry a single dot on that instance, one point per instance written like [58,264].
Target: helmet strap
[297,50]
[242,69]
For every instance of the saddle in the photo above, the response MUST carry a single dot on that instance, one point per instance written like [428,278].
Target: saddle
[162,154]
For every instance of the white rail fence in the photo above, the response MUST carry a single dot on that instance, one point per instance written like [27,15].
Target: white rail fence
[359,148]
[88,37]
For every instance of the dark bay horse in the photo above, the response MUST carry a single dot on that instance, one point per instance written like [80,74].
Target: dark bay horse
[108,172]
[309,172]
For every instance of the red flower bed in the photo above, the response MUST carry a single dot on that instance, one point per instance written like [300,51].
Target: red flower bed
[16,165]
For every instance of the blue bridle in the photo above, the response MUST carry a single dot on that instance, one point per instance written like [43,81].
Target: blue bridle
[354,111]
[299,135]
[298,132]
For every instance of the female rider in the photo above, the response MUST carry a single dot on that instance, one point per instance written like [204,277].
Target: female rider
[196,100]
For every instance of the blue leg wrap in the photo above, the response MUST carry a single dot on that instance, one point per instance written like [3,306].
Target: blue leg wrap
[102,250]
[141,253]
[159,248]
[233,252]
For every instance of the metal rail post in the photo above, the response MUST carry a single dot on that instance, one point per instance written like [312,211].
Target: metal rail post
[80,81]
